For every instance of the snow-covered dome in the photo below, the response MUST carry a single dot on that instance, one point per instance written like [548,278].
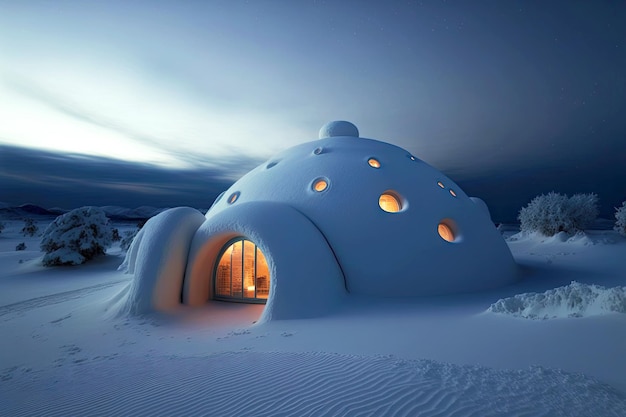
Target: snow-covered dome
[338,216]
[338,128]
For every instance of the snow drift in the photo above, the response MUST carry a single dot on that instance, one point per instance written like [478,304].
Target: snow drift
[573,300]
[157,257]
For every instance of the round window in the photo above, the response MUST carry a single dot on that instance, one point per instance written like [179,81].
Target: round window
[445,232]
[320,185]
[233,197]
[390,202]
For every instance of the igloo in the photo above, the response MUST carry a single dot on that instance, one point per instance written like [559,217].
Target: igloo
[337,217]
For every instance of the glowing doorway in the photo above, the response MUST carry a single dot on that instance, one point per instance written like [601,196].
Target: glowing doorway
[242,273]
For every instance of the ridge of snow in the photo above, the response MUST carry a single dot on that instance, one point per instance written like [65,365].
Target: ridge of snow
[573,300]
[580,238]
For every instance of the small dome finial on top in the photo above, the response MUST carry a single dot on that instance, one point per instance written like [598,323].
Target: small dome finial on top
[338,128]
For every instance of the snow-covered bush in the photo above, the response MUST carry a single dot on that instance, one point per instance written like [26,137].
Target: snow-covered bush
[620,219]
[30,228]
[20,246]
[552,213]
[582,210]
[116,235]
[76,237]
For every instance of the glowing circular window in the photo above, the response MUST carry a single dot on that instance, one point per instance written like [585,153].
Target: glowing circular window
[320,185]
[233,197]
[389,202]
[445,232]
[374,163]
[439,183]
[452,193]
[412,158]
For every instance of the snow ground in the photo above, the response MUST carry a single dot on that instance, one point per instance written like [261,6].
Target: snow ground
[62,353]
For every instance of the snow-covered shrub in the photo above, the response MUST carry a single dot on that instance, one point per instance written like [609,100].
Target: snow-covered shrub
[582,211]
[620,219]
[76,237]
[30,228]
[552,213]
[21,246]
[116,235]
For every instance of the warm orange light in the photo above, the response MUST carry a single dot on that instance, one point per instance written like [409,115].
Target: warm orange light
[262,275]
[453,193]
[389,203]
[242,272]
[445,232]
[320,185]
[373,163]
[439,183]
[233,197]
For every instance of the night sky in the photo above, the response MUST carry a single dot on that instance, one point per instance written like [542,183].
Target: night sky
[165,103]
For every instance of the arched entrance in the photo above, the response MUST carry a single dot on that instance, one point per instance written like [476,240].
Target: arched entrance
[242,273]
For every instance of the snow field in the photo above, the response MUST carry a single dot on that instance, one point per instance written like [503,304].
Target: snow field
[304,384]
[61,353]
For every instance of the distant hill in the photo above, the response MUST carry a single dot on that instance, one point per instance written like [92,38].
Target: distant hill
[124,213]
[112,212]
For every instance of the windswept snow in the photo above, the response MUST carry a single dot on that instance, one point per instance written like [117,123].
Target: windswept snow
[306,384]
[573,300]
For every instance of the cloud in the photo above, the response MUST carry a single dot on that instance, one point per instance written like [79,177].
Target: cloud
[168,145]
[59,180]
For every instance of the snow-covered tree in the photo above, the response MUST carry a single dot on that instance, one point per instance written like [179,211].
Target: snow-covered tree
[76,237]
[20,246]
[552,213]
[620,219]
[582,210]
[30,228]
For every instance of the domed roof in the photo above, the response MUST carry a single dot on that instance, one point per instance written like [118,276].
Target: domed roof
[338,128]
[396,225]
